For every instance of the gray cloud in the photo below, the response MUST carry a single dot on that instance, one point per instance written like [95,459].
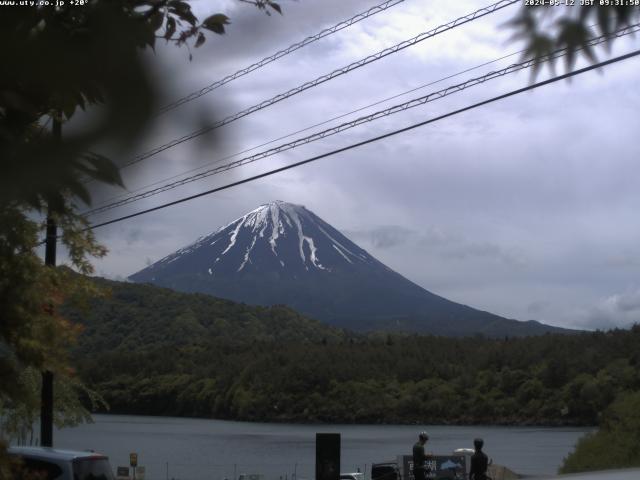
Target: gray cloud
[511,256]
[537,307]
[389,236]
[527,207]
[446,244]
[617,310]
[623,261]
[628,302]
[133,235]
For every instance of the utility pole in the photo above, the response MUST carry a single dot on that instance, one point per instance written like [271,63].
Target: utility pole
[46,404]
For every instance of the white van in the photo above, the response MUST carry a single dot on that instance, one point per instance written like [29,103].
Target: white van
[63,464]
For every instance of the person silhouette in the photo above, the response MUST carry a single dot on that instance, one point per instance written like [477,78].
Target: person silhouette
[479,462]
[419,457]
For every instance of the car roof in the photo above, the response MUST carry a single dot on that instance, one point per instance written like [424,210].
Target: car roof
[624,474]
[48,453]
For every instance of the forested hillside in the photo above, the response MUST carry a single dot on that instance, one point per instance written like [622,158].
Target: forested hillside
[153,351]
[132,317]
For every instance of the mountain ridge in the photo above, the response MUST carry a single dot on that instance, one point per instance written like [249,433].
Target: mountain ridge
[282,253]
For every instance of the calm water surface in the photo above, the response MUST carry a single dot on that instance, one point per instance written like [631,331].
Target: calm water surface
[198,449]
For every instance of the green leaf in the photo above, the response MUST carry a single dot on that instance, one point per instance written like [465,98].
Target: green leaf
[216,23]
[201,39]
[539,46]
[156,20]
[604,22]
[180,6]
[98,167]
[276,7]
[183,10]
[575,36]
[69,108]
[171,28]
[79,190]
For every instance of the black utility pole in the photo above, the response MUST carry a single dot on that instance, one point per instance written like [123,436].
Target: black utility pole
[46,405]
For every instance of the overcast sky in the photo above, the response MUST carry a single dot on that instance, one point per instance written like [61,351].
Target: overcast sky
[527,208]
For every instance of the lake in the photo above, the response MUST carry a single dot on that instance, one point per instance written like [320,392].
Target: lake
[201,449]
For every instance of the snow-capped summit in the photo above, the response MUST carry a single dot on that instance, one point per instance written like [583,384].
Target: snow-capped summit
[281,253]
[279,238]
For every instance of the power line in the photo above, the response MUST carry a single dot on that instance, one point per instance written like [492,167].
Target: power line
[371,140]
[361,120]
[317,136]
[325,78]
[272,58]
[282,137]
[324,122]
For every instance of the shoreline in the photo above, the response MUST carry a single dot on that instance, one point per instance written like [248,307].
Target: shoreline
[288,421]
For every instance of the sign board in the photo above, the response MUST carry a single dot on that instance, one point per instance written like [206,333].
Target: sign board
[133,459]
[439,467]
[140,473]
[122,472]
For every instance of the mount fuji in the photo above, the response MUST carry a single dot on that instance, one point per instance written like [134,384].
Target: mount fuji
[282,253]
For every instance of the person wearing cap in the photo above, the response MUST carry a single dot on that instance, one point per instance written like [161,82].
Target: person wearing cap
[479,462]
[419,457]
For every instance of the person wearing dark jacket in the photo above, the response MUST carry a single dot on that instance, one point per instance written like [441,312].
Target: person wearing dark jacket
[479,462]
[419,457]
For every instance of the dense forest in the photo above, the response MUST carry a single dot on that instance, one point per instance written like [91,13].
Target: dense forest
[153,351]
[616,443]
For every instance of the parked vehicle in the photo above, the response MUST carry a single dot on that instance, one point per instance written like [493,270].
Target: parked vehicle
[352,476]
[385,471]
[56,464]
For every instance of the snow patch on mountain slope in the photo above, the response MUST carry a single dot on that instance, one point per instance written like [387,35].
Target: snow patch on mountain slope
[338,246]
[234,235]
[268,225]
[340,252]
[247,253]
[277,228]
[291,212]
